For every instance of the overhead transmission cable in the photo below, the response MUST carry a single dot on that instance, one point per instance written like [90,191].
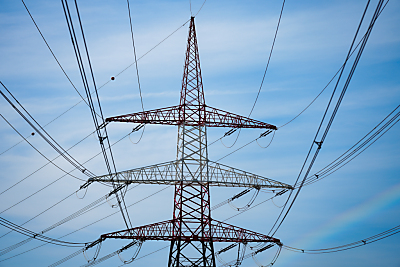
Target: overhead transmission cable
[281,192]
[357,148]
[29,175]
[37,236]
[136,67]
[84,210]
[52,53]
[45,135]
[265,71]
[101,127]
[359,243]
[150,50]
[58,179]
[231,131]
[49,160]
[101,219]
[280,220]
[277,194]
[95,204]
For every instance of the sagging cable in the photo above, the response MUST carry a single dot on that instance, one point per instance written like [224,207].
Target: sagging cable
[263,135]
[134,254]
[84,194]
[98,242]
[251,201]
[137,128]
[253,255]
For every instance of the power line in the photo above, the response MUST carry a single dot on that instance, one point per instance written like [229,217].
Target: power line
[350,154]
[26,177]
[37,236]
[136,66]
[54,56]
[359,243]
[142,199]
[95,204]
[101,128]
[126,68]
[327,128]
[45,135]
[265,72]
[278,193]
[49,161]
[83,186]
[269,58]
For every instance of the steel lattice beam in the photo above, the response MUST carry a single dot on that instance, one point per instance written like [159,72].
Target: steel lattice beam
[164,231]
[165,174]
[173,116]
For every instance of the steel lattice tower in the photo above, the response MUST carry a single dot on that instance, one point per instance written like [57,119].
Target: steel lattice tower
[192,231]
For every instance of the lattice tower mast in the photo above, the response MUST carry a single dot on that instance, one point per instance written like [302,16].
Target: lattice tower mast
[192,231]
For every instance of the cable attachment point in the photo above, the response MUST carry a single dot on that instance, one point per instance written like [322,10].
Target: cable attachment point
[137,128]
[319,144]
[101,139]
[281,192]
[136,242]
[227,248]
[103,125]
[265,133]
[231,131]
[264,248]
[240,194]
[86,184]
[96,253]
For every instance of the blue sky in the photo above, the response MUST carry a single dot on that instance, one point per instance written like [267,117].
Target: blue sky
[234,38]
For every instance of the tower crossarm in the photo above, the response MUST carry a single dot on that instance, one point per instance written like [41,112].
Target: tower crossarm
[223,175]
[219,118]
[169,116]
[220,232]
[174,116]
[165,174]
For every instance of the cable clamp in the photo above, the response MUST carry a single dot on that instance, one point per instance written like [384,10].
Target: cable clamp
[319,144]
[101,139]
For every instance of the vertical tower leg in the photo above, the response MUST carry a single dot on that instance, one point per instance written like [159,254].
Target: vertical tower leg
[192,214]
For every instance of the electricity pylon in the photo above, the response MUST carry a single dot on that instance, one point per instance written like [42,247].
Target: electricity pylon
[192,231]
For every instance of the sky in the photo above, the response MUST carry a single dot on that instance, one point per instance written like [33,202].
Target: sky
[234,39]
